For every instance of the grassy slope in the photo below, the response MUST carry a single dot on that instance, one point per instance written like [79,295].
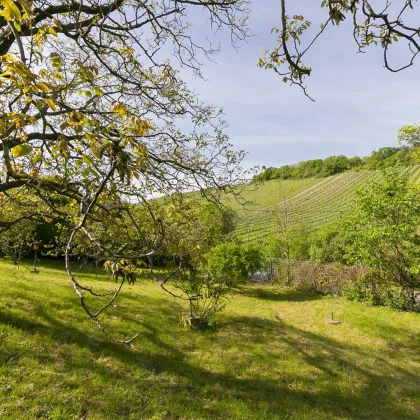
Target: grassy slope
[272,356]
[310,202]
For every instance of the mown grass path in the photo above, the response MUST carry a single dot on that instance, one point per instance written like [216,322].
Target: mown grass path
[271,356]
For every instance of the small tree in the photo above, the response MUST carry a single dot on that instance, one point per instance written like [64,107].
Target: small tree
[18,241]
[325,244]
[383,234]
[234,263]
[205,293]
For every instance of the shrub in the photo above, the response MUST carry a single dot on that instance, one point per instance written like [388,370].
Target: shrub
[322,278]
[376,291]
[235,263]
[206,294]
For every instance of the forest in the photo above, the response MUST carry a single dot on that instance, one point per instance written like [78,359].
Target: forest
[385,157]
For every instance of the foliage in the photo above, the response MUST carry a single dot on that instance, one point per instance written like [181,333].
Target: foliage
[94,118]
[372,23]
[373,290]
[124,269]
[292,246]
[205,293]
[18,242]
[328,279]
[410,134]
[325,244]
[382,233]
[316,168]
[379,159]
[193,227]
[234,263]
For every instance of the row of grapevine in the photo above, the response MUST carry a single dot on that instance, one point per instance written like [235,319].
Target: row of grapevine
[317,205]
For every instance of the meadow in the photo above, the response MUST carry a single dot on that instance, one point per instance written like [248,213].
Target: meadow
[270,354]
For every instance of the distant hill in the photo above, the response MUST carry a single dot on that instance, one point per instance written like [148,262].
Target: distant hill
[307,202]
[319,168]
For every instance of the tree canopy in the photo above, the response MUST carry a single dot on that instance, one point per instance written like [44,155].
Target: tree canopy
[95,118]
[406,154]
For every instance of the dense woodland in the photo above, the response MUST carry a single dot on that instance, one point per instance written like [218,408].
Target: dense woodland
[385,157]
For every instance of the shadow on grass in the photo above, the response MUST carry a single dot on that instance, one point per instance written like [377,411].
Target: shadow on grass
[271,396]
[276,295]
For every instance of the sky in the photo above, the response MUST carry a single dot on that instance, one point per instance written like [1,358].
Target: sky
[359,106]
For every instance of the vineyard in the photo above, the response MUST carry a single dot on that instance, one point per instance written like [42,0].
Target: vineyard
[310,203]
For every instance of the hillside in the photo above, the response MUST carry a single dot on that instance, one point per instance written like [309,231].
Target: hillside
[308,202]
[271,356]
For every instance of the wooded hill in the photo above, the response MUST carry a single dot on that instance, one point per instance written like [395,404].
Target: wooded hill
[384,157]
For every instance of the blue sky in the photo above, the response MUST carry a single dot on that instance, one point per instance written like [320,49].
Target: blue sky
[359,105]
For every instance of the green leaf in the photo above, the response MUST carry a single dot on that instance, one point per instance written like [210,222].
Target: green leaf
[21,150]
[36,159]
[88,160]
[98,91]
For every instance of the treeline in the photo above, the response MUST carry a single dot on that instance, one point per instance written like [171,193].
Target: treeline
[384,157]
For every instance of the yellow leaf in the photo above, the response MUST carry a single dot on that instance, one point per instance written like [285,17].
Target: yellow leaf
[12,9]
[120,109]
[6,14]
[98,91]
[43,87]
[21,150]
[50,103]
[7,57]
[90,137]
[52,31]
[26,7]
[58,23]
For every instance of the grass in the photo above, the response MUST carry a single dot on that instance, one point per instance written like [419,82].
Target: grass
[272,355]
[269,193]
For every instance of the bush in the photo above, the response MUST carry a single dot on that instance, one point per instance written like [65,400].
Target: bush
[206,294]
[325,245]
[377,292]
[233,262]
[321,278]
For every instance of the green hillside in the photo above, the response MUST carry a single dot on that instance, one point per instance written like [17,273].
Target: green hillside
[308,202]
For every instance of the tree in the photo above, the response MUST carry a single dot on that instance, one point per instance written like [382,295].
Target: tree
[90,118]
[410,135]
[325,244]
[382,234]
[381,25]
[233,263]
[381,157]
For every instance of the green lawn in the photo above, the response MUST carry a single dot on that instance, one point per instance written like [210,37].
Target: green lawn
[271,356]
